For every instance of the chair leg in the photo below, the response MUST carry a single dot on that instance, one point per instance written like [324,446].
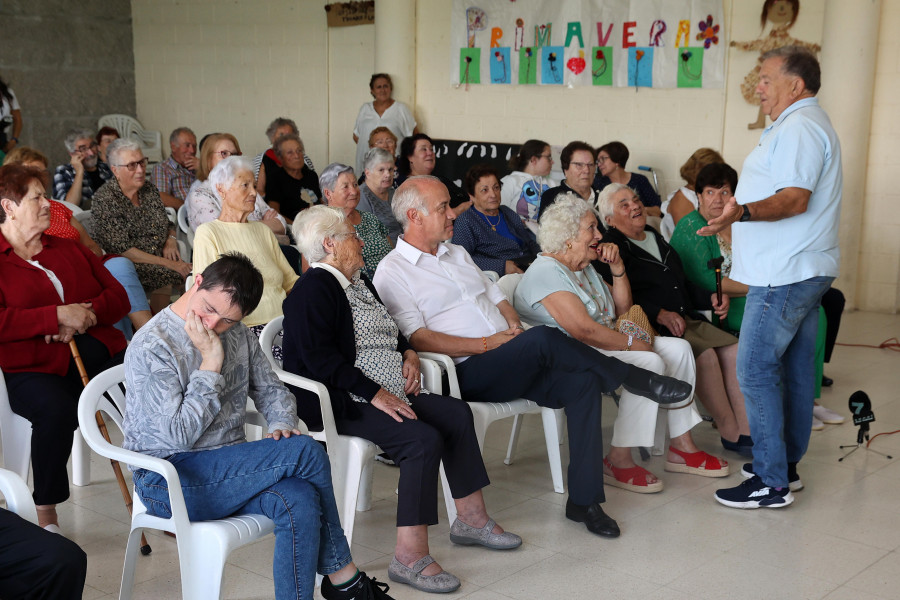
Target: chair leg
[551,418]
[659,442]
[513,440]
[132,549]
[352,478]
[81,461]
[364,497]
[202,567]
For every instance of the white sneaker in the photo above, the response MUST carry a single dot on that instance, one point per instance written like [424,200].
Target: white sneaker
[817,425]
[53,528]
[826,415]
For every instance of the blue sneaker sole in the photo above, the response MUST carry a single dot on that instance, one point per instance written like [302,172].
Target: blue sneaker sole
[777,502]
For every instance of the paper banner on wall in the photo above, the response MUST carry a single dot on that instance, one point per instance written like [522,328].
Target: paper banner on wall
[528,60]
[534,42]
[690,68]
[469,65]
[552,58]
[501,67]
[601,65]
[640,67]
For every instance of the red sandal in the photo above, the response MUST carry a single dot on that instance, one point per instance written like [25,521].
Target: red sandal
[698,463]
[633,479]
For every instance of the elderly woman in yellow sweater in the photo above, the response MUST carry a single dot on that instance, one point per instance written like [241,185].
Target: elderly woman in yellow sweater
[232,181]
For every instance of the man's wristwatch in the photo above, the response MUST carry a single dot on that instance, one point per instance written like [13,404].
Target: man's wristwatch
[745,216]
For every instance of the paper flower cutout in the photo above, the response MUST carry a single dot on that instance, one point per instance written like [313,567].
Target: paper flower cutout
[708,32]
[600,55]
[576,65]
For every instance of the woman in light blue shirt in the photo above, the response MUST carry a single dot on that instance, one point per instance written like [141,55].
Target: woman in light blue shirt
[561,289]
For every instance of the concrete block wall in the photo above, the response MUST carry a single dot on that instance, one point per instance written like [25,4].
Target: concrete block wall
[69,63]
[879,258]
[234,65]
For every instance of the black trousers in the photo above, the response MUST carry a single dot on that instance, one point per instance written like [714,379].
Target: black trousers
[551,369]
[50,402]
[38,564]
[444,431]
[833,302]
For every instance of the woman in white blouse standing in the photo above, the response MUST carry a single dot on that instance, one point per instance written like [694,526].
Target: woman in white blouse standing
[383,111]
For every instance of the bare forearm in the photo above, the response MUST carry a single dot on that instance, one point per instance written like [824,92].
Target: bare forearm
[509,313]
[786,203]
[425,340]
[621,293]
[74,193]
[140,257]
[170,200]
[733,288]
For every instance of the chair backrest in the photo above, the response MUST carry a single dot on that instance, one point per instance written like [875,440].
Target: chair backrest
[75,209]
[87,221]
[508,284]
[129,127]
[492,275]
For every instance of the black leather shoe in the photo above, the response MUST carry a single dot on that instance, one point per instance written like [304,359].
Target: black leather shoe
[594,518]
[659,388]
[827,381]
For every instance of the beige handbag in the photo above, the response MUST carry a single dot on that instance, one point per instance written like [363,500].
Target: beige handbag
[635,323]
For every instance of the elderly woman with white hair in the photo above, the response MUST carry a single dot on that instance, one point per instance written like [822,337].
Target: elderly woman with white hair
[561,289]
[129,218]
[337,331]
[342,192]
[232,231]
[672,304]
[377,191]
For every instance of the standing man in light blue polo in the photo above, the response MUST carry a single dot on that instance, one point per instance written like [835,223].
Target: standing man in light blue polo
[785,241]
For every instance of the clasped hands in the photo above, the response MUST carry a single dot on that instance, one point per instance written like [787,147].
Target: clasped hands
[72,319]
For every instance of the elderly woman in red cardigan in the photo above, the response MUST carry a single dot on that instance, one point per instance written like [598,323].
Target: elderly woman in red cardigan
[52,291]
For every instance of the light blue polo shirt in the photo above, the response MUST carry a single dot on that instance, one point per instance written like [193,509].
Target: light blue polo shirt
[800,149]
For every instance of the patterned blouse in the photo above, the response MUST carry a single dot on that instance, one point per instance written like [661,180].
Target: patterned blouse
[375,243]
[119,225]
[376,341]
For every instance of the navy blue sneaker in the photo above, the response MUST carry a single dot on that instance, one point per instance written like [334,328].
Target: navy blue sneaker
[794,482]
[753,493]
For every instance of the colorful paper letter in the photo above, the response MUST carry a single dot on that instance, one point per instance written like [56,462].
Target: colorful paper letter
[574,30]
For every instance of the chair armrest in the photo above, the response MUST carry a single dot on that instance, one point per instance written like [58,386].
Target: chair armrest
[321,391]
[446,363]
[18,497]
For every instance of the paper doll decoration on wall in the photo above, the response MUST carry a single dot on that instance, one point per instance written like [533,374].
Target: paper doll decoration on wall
[781,14]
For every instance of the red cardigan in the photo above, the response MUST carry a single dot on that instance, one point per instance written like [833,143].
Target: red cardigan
[28,304]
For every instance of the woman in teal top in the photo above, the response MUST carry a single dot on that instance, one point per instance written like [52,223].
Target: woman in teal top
[561,289]
[715,184]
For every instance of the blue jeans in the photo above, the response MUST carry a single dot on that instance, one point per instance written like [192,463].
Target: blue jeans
[776,371]
[288,480]
[123,270]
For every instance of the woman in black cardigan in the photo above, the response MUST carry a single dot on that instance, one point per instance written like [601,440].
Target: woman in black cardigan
[672,303]
[337,331]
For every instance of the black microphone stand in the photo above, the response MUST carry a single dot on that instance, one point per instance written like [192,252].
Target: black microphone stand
[863,433]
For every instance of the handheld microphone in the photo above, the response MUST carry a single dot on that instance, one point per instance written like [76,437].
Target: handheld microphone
[861,408]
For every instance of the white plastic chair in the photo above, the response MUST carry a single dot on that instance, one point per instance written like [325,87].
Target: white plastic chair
[75,209]
[86,219]
[203,546]
[18,496]
[485,413]
[184,225]
[351,457]
[129,127]
[15,438]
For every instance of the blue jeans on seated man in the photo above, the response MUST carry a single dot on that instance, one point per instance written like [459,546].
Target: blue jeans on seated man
[288,480]
[776,371]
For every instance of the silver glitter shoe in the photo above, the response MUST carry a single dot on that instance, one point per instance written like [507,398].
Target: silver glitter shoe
[466,535]
[442,583]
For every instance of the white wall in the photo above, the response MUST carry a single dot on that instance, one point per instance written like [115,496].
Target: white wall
[234,65]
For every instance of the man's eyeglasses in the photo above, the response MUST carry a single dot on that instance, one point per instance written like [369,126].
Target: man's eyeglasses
[579,166]
[132,166]
[92,146]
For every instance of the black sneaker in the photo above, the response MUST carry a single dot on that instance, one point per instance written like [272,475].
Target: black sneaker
[753,493]
[363,589]
[794,482]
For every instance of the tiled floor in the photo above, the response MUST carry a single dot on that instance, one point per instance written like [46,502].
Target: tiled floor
[839,540]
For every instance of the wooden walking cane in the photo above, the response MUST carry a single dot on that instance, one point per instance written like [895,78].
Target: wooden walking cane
[117,469]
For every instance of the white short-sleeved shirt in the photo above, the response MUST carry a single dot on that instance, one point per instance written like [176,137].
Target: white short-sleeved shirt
[397,117]
[800,149]
[444,292]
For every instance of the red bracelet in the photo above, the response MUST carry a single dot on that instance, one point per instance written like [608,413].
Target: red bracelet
[484,343]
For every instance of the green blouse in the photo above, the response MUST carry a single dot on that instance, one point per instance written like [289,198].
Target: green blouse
[695,252]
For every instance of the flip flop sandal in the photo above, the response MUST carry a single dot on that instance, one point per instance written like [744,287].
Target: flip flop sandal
[698,463]
[633,479]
